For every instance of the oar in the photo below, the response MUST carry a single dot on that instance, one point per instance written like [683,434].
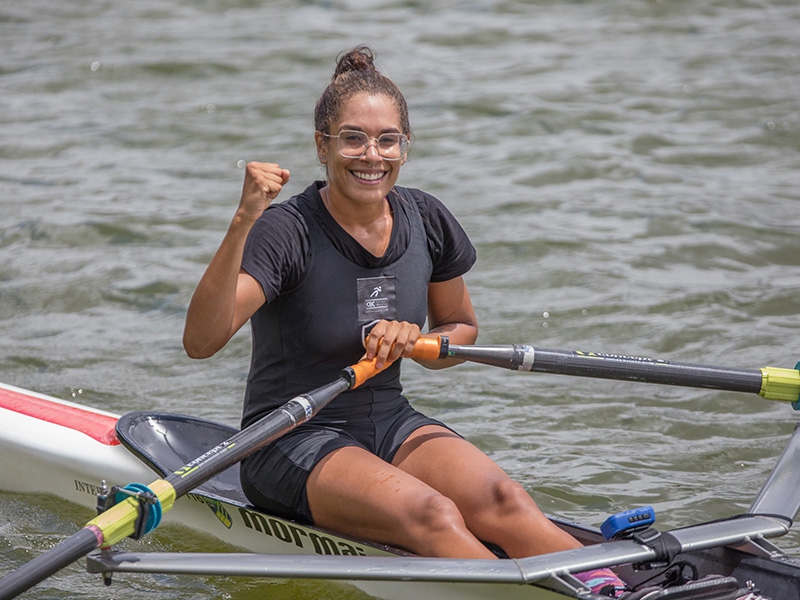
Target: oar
[141,511]
[772,383]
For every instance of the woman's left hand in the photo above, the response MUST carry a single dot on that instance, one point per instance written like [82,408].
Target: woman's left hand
[390,340]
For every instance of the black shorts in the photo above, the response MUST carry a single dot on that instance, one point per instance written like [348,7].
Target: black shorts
[274,478]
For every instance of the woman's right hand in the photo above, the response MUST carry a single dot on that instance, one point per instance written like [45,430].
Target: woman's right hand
[262,183]
[226,296]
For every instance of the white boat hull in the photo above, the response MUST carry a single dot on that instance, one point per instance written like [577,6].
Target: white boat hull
[57,447]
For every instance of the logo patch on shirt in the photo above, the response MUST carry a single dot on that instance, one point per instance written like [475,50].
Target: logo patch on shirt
[376,298]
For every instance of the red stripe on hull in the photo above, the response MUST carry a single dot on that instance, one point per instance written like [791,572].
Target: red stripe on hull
[97,426]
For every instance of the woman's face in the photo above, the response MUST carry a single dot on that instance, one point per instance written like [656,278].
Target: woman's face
[369,178]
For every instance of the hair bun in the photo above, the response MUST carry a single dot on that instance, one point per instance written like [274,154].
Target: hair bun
[360,58]
[356,74]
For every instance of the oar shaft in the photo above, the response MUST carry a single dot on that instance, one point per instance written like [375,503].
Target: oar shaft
[118,522]
[770,382]
[40,568]
[269,428]
[605,366]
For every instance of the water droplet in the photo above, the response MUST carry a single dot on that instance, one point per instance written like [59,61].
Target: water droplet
[688,88]
[95,65]
[241,164]
[770,125]
[584,312]
[545,325]
[211,108]
[545,314]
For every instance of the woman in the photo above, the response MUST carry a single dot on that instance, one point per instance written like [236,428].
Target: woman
[313,274]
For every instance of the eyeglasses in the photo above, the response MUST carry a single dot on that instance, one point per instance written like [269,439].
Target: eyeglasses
[354,144]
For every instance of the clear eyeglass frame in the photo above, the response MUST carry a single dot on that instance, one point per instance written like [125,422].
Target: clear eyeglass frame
[355,144]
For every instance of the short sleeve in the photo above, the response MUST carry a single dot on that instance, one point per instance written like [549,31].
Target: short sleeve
[451,250]
[276,250]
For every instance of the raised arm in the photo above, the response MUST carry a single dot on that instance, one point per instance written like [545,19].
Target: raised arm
[226,296]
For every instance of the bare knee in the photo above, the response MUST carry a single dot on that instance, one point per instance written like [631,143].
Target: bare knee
[504,506]
[508,497]
[434,526]
[437,514]
[512,520]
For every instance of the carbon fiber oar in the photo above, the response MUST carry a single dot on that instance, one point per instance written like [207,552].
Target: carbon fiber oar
[141,511]
[772,383]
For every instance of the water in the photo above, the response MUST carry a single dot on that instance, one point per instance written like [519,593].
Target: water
[627,171]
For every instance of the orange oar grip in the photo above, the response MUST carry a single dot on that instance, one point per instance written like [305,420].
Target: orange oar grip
[427,348]
[424,348]
[363,370]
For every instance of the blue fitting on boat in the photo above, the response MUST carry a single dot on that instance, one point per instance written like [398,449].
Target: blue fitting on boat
[796,403]
[626,523]
[150,511]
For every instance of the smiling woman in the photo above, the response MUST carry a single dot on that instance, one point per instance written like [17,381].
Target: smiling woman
[360,176]
[350,259]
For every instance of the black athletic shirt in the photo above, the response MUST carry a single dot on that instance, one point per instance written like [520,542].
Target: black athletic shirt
[321,286]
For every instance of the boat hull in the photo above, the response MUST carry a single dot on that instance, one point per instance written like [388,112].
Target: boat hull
[57,447]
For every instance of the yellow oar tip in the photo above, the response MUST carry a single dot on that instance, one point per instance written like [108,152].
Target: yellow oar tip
[781,384]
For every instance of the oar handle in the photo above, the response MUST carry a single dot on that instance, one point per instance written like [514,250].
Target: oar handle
[431,348]
[361,371]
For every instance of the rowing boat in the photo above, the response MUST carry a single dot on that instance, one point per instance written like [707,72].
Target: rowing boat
[54,446]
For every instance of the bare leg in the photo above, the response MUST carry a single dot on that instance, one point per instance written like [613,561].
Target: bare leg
[494,507]
[357,493]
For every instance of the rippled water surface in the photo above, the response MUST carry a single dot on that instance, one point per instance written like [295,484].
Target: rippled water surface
[627,170]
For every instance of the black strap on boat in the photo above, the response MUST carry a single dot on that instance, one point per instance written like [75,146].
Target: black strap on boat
[664,544]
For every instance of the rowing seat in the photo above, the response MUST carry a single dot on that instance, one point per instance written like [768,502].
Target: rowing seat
[168,441]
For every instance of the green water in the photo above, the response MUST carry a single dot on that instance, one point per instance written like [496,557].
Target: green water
[627,170]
